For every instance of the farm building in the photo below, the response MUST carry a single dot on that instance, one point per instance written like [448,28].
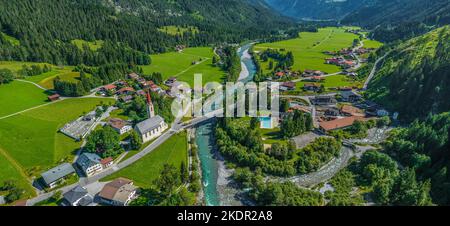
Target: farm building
[52,177]
[338,124]
[348,110]
[54,97]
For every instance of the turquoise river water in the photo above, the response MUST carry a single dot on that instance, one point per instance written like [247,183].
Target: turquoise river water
[205,142]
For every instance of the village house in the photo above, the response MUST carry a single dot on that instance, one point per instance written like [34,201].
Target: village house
[350,96]
[119,125]
[332,112]
[107,162]
[170,81]
[125,91]
[147,84]
[89,163]
[127,98]
[78,196]
[315,79]
[279,74]
[54,176]
[311,73]
[323,100]
[348,110]
[287,86]
[311,87]
[133,76]
[109,88]
[342,123]
[54,97]
[151,128]
[119,192]
[345,89]
[348,64]
[141,92]
[180,48]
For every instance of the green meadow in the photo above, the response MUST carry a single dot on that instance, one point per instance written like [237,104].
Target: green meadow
[32,139]
[12,172]
[18,96]
[372,44]
[177,30]
[180,65]
[46,79]
[146,170]
[309,47]
[94,45]
[15,66]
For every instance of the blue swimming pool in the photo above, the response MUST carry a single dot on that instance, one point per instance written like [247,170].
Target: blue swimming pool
[266,122]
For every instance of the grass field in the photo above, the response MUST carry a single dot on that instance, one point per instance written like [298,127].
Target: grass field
[309,47]
[46,79]
[333,81]
[12,172]
[372,44]
[147,169]
[177,30]
[18,96]
[32,138]
[179,65]
[15,66]
[94,46]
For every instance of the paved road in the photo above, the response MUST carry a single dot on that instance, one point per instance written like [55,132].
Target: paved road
[37,85]
[374,70]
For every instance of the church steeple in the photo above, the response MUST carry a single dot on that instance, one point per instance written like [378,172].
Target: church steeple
[150,107]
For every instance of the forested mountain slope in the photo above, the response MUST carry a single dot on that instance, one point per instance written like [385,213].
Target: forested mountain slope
[401,19]
[393,12]
[317,9]
[45,28]
[414,79]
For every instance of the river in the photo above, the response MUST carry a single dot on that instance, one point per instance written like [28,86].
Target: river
[210,164]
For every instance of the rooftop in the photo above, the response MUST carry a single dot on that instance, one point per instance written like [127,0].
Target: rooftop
[75,194]
[149,124]
[339,123]
[87,160]
[117,123]
[118,190]
[57,173]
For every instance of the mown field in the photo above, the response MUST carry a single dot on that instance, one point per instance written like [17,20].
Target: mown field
[15,66]
[147,169]
[18,96]
[46,79]
[180,65]
[12,172]
[31,139]
[309,47]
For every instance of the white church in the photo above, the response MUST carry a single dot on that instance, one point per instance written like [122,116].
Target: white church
[152,127]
